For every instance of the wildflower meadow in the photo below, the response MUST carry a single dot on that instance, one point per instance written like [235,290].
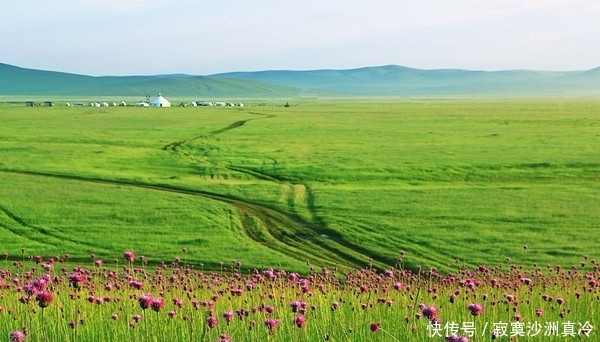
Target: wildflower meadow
[126,299]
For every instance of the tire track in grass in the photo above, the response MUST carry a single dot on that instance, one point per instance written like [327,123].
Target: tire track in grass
[319,231]
[174,145]
[269,226]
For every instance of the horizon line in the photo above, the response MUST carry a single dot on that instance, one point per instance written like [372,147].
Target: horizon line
[299,70]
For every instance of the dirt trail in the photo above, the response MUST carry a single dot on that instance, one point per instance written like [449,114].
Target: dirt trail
[305,236]
[174,145]
[268,226]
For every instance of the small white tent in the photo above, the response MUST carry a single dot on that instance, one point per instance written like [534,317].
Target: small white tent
[160,101]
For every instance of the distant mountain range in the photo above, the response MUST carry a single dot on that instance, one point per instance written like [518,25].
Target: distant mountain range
[391,80]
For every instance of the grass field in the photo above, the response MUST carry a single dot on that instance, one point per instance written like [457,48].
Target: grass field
[453,183]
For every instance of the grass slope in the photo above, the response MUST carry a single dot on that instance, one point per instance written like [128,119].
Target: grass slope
[329,183]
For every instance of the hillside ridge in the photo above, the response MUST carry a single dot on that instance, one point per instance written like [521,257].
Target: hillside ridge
[387,80]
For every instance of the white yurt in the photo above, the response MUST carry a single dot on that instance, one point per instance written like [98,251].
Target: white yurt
[160,101]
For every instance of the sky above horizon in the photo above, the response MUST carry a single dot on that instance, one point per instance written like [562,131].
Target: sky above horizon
[142,37]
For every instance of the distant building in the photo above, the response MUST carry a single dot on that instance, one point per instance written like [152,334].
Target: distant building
[48,103]
[160,101]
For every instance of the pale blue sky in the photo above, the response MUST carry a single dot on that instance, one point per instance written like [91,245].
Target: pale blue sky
[130,37]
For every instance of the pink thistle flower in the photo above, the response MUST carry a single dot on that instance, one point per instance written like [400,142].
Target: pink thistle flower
[39,284]
[136,284]
[270,309]
[145,301]
[271,324]
[237,292]
[453,298]
[374,326]
[129,256]
[475,309]
[178,302]
[335,306]
[456,338]
[172,313]
[157,304]
[560,300]
[212,322]
[76,279]
[295,305]
[137,318]
[224,338]
[539,312]
[241,313]
[16,336]
[430,312]
[300,321]
[114,317]
[228,315]
[436,320]
[44,299]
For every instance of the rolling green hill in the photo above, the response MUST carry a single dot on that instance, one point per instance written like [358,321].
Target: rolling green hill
[402,81]
[391,80]
[20,81]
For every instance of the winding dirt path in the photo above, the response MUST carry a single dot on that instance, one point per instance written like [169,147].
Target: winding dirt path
[268,226]
[291,233]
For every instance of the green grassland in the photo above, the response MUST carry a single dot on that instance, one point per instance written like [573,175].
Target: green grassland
[453,183]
